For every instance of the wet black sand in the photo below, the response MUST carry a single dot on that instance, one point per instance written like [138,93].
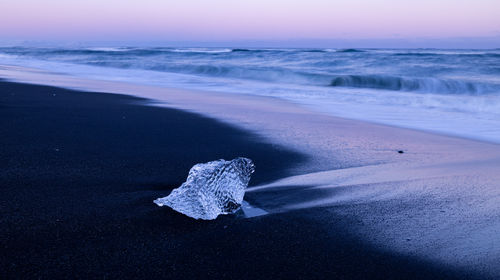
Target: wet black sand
[79,172]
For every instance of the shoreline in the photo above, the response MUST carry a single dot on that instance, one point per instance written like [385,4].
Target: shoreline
[292,125]
[169,97]
[370,185]
[78,182]
[466,105]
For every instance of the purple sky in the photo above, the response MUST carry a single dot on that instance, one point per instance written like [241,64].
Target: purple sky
[232,20]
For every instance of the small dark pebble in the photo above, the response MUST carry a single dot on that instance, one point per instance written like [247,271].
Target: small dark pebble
[401,152]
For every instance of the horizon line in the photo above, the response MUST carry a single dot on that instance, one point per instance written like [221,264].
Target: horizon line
[483,42]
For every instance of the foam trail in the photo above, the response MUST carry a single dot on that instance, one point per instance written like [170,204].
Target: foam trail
[252,211]
[380,182]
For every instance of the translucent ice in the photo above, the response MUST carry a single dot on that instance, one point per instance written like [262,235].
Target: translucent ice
[211,189]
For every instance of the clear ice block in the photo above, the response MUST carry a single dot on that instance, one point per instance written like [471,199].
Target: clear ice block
[211,189]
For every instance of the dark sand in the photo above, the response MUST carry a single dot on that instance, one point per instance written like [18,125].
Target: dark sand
[79,172]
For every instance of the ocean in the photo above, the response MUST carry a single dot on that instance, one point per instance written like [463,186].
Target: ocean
[452,92]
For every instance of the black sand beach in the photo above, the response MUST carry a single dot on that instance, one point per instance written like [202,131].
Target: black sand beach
[79,172]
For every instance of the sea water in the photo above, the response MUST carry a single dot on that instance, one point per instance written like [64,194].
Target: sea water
[454,92]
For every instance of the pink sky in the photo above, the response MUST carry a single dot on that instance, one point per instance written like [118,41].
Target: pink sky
[239,20]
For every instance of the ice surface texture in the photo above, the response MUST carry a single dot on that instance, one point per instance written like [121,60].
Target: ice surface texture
[211,189]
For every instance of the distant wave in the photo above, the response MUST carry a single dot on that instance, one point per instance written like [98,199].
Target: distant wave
[109,49]
[241,50]
[313,50]
[200,50]
[416,54]
[76,53]
[281,50]
[423,54]
[349,51]
[114,51]
[406,84]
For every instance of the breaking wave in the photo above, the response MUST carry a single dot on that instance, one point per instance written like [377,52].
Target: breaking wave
[350,51]
[407,84]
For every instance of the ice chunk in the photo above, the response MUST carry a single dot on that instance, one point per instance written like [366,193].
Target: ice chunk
[211,189]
